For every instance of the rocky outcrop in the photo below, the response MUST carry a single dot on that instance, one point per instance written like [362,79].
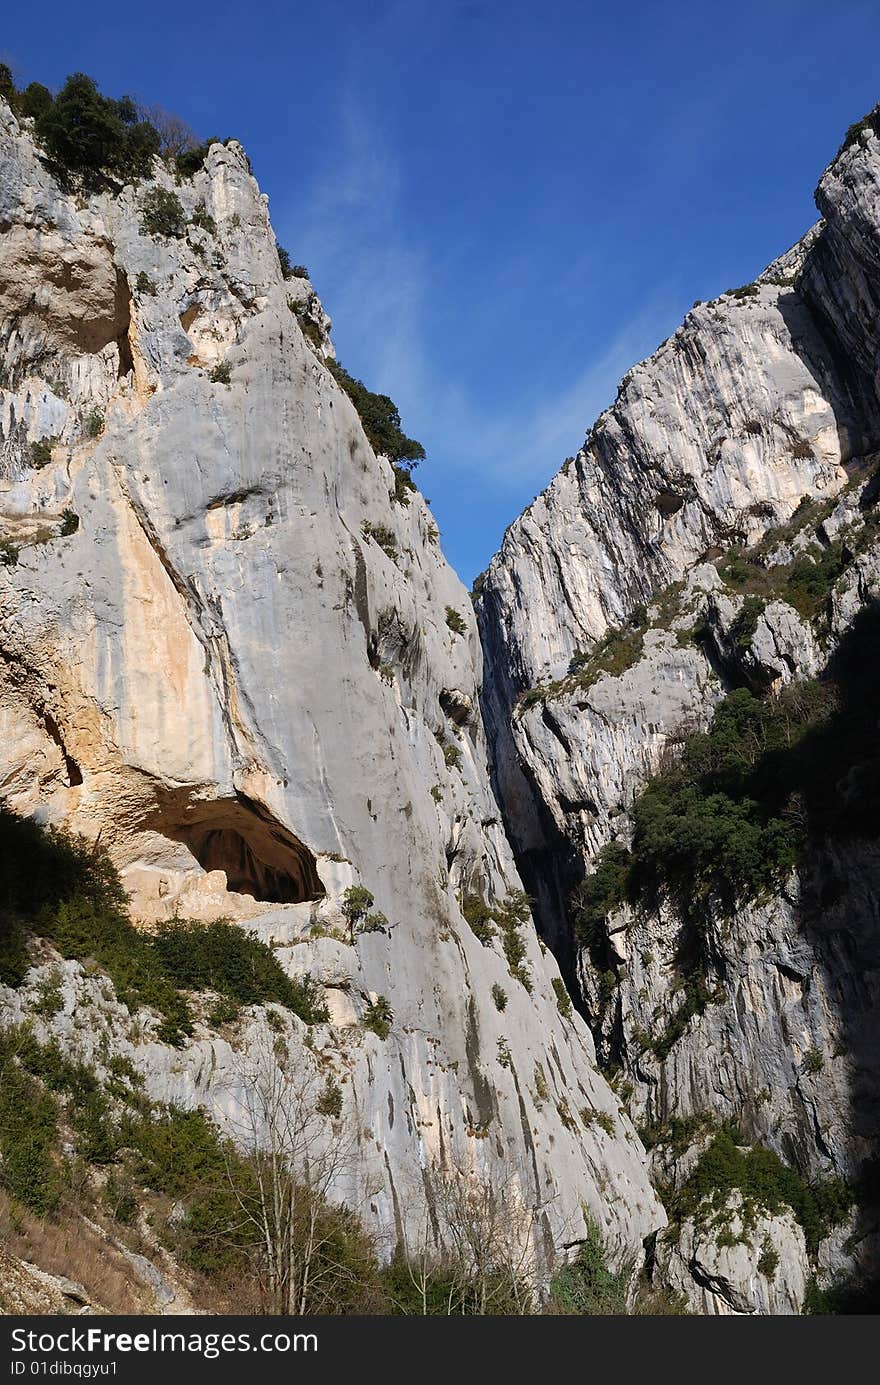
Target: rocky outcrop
[224,650]
[619,611]
[758,1267]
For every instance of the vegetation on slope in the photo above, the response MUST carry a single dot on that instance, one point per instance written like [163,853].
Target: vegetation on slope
[249,1227]
[69,1145]
[505,919]
[97,141]
[771,777]
[381,422]
[765,1184]
[56,886]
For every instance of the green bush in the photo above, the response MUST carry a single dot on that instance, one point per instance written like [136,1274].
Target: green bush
[120,1200]
[587,1285]
[57,886]
[814,1061]
[144,284]
[307,324]
[179,1154]
[869,123]
[34,102]
[91,138]
[94,423]
[223,1011]
[357,901]
[511,916]
[97,1137]
[765,1183]
[41,452]
[381,421]
[811,578]
[221,374]
[499,995]
[375,922]
[563,999]
[170,1154]
[607,988]
[454,620]
[768,1260]
[202,218]
[404,485]
[379,1017]
[616,652]
[381,535]
[504,920]
[29,1169]
[175,1150]
[480,918]
[734,815]
[604,890]
[223,957]
[97,141]
[49,997]
[69,523]
[190,161]
[329,1102]
[451,755]
[745,622]
[162,214]
[806,583]
[676,1134]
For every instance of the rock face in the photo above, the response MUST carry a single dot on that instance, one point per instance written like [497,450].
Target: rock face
[728,1278]
[611,631]
[224,649]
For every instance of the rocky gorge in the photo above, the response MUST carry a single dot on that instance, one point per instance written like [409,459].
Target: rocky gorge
[706,562]
[235,664]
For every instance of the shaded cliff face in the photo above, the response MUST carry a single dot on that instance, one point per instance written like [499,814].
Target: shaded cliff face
[225,650]
[717,531]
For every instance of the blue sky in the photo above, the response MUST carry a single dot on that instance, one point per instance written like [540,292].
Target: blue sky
[503,205]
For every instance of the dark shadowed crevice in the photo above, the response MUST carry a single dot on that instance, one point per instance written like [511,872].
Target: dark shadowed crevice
[74,773]
[123,323]
[260,856]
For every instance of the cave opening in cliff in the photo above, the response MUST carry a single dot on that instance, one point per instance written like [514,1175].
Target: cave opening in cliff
[260,856]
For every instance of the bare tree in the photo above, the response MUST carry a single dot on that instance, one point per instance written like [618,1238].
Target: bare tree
[308,1253]
[475,1250]
[175,136]
[490,1231]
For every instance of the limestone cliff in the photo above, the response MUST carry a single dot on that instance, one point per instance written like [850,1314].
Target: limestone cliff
[660,570]
[226,651]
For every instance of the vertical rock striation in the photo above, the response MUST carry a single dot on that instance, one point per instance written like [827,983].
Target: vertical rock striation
[224,649]
[661,569]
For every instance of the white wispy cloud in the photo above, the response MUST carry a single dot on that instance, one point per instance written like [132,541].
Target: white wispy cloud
[376,280]
[347,230]
[530,441]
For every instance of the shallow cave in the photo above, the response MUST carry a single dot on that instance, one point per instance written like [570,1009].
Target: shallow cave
[260,856]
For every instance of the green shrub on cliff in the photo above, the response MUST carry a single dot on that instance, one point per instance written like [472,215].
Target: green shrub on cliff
[93,137]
